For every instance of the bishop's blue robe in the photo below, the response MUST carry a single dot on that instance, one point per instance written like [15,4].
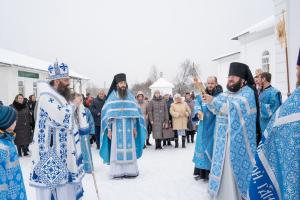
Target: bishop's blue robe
[276,174]
[11,179]
[205,135]
[270,100]
[122,116]
[235,139]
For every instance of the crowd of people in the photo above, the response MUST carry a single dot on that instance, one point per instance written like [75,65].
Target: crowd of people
[247,140]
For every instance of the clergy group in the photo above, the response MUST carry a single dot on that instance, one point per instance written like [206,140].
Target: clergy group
[247,142]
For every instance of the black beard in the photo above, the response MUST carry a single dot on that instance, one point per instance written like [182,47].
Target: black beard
[235,87]
[122,92]
[64,91]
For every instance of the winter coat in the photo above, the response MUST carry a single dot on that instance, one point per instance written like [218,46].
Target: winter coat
[190,124]
[169,103]
[31,106]
[95,108]
[180,113]
[158,114]
[23,128]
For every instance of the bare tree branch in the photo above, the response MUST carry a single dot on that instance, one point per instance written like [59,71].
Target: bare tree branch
[183,81]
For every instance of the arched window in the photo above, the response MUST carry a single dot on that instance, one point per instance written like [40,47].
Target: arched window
[266,61]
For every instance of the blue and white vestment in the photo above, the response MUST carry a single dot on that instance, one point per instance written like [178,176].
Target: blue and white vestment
[235,144]
[122,116]
[277,170]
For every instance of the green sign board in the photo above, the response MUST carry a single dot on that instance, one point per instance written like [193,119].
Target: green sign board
[28,74]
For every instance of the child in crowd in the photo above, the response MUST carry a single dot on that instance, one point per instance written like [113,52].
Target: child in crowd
[11,179]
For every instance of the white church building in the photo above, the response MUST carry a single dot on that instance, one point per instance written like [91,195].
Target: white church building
[260,48]
[20,73]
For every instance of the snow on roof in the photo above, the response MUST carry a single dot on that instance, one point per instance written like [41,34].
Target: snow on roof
[263,25]
[161,83]
[14,58]
[226,55]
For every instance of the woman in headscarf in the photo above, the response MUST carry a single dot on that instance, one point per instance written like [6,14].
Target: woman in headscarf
[159,117]
[180,112]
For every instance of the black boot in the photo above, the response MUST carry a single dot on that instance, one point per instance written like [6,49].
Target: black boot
[169,142]
[206,175]
[19,151]
[159,144]
[25,150]
[192,137]
[196,171]
[92,139]
[188,138]
[197,174]
[183,141]
[148,143]
[176,142]
[164,142]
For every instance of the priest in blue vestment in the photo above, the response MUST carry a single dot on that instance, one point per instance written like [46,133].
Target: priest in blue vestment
[236,127]
[269,99]
[123,131]
[277,169]
[205,131]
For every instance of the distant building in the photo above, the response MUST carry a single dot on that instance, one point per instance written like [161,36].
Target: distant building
[20,73]
[260,48]
[223,65]
[164,86]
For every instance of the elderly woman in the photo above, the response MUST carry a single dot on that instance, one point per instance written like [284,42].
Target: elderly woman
[180,112]
[159,117]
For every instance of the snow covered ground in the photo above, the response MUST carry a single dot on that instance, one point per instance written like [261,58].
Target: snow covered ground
[164,175]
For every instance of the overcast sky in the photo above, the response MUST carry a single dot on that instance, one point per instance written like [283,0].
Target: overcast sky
[99,38]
